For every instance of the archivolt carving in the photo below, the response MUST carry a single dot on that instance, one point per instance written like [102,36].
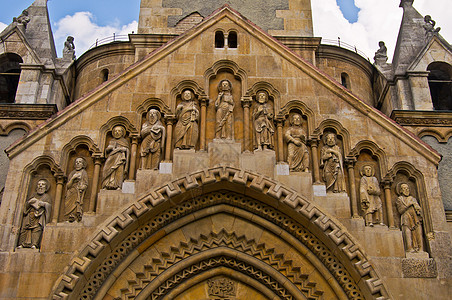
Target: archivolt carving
[335,235]
[238,244]
[375,150]
[183,85]
[330,123]
[130,128]
[153,102]
[228,65]
[72,145]
[15,125]
[304,109]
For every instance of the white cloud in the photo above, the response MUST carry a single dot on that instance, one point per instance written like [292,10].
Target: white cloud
[378,20]
[85,31]
[2,26]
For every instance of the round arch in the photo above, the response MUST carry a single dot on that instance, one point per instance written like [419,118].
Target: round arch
[321,239]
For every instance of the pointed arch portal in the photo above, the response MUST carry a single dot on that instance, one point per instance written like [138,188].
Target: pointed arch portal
[221,233]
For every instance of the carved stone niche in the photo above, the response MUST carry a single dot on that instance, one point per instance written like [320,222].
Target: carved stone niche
[363,193]
[402,178]
[218,118]
[151,150]
[295,155]
[81,151]
[331,157]
[36,202]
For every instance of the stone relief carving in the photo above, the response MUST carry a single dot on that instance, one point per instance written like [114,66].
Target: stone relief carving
[297,152]
[264,130]
[36,215]
[153,134]
[381,56]
[116,165]
[75,191]
[410,219]
[429,26]
[23,19]
[369,192]
[221,287]
[332,164]
[69,48]
[224,105]
[186,131]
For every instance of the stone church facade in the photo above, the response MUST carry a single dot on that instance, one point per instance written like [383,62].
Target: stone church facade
[224,152]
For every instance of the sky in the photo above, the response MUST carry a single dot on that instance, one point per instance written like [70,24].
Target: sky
[360,23]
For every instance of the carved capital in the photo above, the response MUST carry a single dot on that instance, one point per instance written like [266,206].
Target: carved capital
[246,101]
[203,100]
[170,119]
[350,162]
[313,142]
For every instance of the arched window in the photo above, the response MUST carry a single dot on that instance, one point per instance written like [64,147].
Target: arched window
[9,76]
[104,75]
[232,39]
[440,83]
[345,80]
[219,39]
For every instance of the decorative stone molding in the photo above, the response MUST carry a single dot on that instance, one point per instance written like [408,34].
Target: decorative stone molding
[422,118]
[222,287]
[91,256]
[419,268]
[27,111]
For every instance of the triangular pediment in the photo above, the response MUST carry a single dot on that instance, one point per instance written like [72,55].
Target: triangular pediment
[263,58]
[437,49]
[17,43]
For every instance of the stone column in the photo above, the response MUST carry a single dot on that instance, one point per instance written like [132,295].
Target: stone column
[92,200]
[133,157]
[279,125]
[203,101]
[169,119]
[351,176]
[58,197]
[315,159]
[388,201]
[246,104]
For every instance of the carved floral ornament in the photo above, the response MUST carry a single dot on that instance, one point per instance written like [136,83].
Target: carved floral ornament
[269,189]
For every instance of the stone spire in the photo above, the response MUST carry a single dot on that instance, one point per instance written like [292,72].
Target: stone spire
[39,32]
[411,37]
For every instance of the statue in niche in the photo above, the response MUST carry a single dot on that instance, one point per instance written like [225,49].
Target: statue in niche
[35,216]
[263,122]
[75,193]
[117,163]
[381,56]
[23,19]
[153,135]
[331,162]
[186,131]
[225,107]
[369,191]
[429,26]
[69,48]
[298,156]
[410,218]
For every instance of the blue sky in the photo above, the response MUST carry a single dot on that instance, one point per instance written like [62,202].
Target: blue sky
[360,23]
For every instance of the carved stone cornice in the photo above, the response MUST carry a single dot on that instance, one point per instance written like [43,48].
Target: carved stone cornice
[27,111]
[422,118]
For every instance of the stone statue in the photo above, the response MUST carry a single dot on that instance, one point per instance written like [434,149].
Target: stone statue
[186,131]
[381,56]
[263,123]
[36,215]
[23,19]
[369,193]
[225,107]
[410,219]
[153,134]
[117,163]
[75,193]
[429,26]
[297,152]
[69,48]
[331,162]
